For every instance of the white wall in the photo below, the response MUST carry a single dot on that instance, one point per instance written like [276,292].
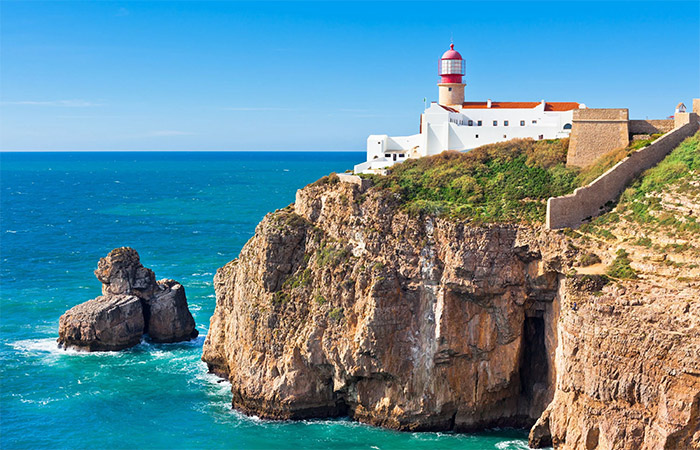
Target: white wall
[442,129]
[550,125]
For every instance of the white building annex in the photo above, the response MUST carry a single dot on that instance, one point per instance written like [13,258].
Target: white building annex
[453,124]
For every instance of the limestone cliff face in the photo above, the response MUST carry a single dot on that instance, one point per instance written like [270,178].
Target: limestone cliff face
[628,370]
[343,305]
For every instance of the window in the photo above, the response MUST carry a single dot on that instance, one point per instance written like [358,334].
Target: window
[388,155]
[471,122]
[495,123]
[451,66]
[449,89]
[534,122]
[478,124]
[522,123]
[477,136]
[400,155]
[505,123]
[541,136]
[379,143]
[504,136]
[567,126]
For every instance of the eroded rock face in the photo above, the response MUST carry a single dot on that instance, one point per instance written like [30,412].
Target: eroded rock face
[121,272]
[103,324]
[345,305]
[342,304]
[629,364]
[169,319]
[132,304]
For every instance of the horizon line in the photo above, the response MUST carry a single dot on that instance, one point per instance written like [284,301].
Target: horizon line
[165,151]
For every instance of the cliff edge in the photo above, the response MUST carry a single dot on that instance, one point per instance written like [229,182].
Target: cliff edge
[347,303]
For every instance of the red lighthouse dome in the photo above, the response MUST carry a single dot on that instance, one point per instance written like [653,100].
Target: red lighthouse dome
[451,66]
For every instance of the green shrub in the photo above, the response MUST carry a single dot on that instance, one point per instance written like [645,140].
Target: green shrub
[620,267]
[280,297]
[328,254]
[300,279]
[320,300]
[588,259]
[644,242]
[336,314]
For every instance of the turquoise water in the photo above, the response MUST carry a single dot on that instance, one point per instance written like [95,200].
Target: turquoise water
[187,214]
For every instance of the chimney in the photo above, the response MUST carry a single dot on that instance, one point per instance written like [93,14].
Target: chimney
[488,103]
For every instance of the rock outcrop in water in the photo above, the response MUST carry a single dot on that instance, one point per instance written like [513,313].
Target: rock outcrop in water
[102,324]
[344,305]
[132,304]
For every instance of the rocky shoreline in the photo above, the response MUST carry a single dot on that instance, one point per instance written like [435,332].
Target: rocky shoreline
[132,304]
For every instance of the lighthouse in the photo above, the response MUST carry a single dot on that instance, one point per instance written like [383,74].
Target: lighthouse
[451,71]
[453,124]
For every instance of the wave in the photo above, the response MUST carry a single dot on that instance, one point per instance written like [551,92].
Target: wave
[512,445]
[37,346]
[49,346]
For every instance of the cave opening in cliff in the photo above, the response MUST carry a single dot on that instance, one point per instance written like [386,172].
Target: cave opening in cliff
[534,364]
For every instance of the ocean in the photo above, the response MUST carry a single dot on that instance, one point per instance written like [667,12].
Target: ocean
[186,213]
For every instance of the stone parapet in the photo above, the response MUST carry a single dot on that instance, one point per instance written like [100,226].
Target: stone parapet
[651,126]
[681,119]
[354,179]
[589,201]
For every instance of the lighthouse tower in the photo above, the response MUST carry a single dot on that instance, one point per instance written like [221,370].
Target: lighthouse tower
[451,71]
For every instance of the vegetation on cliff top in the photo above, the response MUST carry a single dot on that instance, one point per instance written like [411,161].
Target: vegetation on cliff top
[652,233]
[642,202]
[504,182]
[606,161]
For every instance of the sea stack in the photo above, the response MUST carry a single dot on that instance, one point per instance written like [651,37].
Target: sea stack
[132,304]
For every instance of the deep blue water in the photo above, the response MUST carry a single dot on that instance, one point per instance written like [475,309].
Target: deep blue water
[187,214]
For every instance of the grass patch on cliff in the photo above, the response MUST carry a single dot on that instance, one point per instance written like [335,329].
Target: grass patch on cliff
[641,202]
[608,160]
[328,254]
[300,279]
[620,267]
[337,314]
[504,182]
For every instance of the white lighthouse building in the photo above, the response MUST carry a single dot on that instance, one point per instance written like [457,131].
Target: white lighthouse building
[453,124]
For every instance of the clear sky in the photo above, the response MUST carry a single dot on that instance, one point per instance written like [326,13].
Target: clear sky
[104,75]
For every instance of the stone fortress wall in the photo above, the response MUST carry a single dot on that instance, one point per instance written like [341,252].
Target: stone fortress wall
[650,126]
[596,132]
[588,201]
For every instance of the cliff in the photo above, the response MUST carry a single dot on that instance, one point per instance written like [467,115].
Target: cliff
[347,303]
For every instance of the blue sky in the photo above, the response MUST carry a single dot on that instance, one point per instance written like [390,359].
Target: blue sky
[104,75]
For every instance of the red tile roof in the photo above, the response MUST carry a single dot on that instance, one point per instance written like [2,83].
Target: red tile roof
[448,108]
[560,106]
[549,106]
